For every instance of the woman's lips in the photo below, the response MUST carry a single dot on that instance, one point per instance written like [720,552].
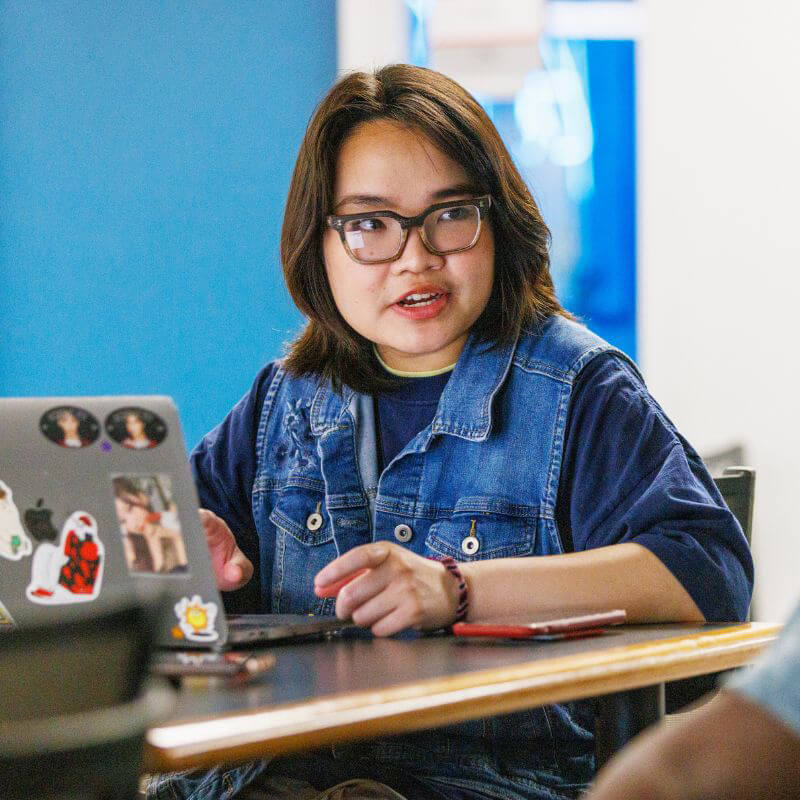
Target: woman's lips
[421,305]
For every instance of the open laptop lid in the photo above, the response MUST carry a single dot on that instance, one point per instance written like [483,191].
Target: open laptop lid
[96,495]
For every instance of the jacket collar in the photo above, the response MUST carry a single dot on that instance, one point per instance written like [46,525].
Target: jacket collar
[329,407]
[465,407]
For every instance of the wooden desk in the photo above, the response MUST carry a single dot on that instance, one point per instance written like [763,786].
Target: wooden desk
[334,691]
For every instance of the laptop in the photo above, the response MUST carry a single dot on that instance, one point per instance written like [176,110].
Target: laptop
[96,500]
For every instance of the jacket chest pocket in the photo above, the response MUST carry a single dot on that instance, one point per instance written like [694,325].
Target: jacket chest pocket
[470,536]
[303,546]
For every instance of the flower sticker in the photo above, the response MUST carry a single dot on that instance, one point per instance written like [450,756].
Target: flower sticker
[196,619]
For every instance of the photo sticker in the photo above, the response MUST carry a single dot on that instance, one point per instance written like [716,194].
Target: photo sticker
[148,521]
[14,544]
[72,570]
[136,428]
[69,426]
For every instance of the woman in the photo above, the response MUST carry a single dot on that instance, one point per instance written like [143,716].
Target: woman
[440,404]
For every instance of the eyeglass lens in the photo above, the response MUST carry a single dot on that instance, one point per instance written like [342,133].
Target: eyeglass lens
[380,238]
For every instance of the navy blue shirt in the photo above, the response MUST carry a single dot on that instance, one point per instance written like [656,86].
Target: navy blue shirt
[625,476]
[405,411]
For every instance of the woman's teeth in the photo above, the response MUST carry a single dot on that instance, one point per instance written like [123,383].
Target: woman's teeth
[419,299]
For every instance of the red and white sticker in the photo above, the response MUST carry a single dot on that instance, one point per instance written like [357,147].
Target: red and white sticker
[72,570]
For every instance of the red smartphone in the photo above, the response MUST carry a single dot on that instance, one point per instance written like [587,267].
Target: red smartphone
[568,627]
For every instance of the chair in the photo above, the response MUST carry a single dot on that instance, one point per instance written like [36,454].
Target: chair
[737,487]
[76,704]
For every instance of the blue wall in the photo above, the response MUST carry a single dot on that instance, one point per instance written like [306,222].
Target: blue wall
[145,154]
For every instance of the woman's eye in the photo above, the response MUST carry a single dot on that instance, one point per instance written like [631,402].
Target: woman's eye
[454,214]
[369,225]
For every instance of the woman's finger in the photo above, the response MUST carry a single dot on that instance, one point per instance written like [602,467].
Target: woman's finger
[365,556]
[358,592]
[376,608]
[238,571]
[217,532]
[398,620]
[333,589]
[232,568]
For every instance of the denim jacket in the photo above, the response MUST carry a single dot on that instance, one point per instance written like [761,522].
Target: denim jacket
[479,482]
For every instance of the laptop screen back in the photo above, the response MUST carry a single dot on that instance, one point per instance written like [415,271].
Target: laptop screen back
[96,495]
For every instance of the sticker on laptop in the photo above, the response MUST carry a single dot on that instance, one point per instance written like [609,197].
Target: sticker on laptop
[196,620]
[148,519]
[69,426]
[72,570]
[14,543]
[136,428]
[6,620]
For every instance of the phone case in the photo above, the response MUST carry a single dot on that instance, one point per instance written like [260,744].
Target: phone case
[589,624]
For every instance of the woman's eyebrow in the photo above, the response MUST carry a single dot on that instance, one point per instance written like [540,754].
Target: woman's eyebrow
[452,191]
[386,202]
[363,200]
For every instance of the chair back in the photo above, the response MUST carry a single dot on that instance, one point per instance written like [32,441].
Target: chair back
[737,485]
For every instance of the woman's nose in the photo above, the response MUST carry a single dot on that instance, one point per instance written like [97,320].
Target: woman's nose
[415,256]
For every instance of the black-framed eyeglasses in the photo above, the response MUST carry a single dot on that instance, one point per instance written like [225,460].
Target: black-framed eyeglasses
[380,236]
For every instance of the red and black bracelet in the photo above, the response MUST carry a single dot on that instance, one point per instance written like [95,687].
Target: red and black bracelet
[451,565]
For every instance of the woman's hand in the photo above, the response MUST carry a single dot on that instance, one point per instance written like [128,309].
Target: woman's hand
[232,567]
[390,589]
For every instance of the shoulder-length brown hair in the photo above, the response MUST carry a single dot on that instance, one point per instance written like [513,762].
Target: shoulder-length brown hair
[454,122]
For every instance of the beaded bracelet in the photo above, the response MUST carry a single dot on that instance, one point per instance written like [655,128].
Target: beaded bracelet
[451,566]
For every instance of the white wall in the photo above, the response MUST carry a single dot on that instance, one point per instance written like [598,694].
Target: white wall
[719,238]
[371,33]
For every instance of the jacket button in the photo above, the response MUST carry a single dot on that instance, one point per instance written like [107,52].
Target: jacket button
[403,533]
[314,520]
[470,545]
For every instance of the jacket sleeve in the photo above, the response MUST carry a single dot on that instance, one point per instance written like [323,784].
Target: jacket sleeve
[224,469]
[629,476]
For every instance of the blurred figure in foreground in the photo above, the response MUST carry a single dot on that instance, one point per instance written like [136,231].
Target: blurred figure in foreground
[743,744]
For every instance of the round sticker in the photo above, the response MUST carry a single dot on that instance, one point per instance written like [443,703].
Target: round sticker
[69,426]
[136,428]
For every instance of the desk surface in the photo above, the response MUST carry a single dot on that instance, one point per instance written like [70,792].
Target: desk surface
[319,693]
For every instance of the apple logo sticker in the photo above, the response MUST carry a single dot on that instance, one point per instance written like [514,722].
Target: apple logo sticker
[39,524]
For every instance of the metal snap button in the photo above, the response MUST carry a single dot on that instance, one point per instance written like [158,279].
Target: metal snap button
[314,521]
[403,533]
[470,545]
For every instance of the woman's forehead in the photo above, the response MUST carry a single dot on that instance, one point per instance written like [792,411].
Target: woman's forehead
[384,163]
